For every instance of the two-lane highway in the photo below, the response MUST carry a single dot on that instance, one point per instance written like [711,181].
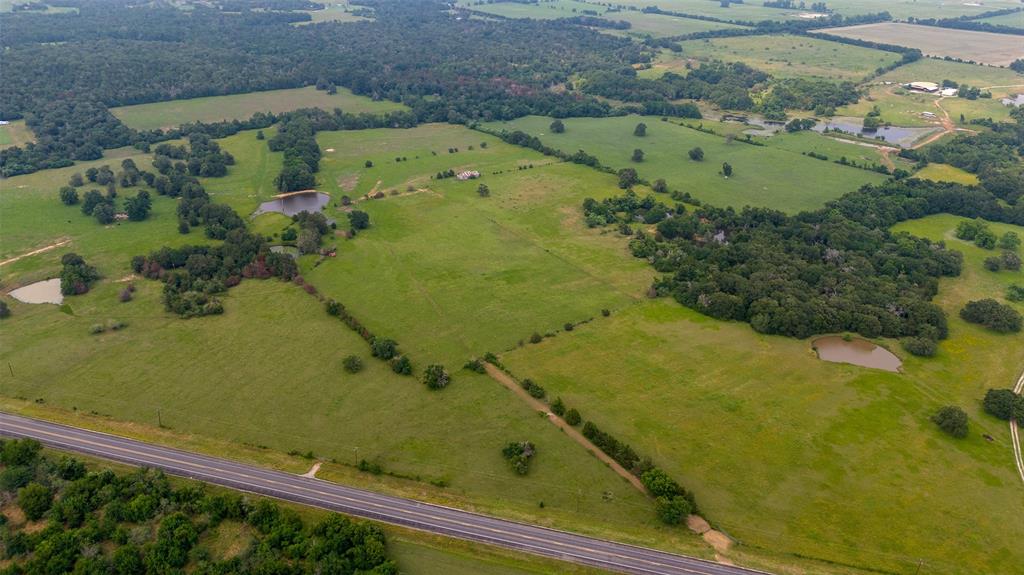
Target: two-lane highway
[367,504]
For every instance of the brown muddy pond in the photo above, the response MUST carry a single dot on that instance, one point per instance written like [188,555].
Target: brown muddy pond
[40,292]
[856,351]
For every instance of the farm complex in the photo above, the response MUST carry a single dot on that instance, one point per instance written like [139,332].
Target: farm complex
[422,287]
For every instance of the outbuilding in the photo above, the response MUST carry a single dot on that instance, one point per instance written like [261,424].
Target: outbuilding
[929,87]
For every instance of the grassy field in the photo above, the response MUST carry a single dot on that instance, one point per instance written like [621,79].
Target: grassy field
[241,106]
[803,142]
[745,12]
[544,10]
[662,26]
[983,47]
[946,173]
[792,56]
[1015,20]
[791,453]
[763,175]
[334,11]
[15,133]
[903,9]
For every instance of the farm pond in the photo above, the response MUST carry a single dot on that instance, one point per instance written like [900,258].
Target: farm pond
[47,291]
[900,136]
[856,351]
[291,204]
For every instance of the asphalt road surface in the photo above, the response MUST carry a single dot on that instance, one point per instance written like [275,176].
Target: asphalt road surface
[357,502]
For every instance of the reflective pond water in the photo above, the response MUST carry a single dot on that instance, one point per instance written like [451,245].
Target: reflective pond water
[292,204]
[899,135]
[290,250]
[1017,100]
[856,351]
[47,291]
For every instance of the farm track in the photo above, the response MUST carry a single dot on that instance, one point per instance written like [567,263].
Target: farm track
[1015,433]
[34,252]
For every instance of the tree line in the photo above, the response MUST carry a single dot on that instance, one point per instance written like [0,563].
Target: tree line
[147,526]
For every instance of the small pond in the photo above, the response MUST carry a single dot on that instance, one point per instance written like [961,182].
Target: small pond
[1017,100]
[47,291]
[290,250]
[292,204]
[898,135]
[860,352]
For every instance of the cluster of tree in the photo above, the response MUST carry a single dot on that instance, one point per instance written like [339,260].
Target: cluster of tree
[727,85]
[993,315]
[1006,261]
[411,50]
[979,232]
[952,420]
[435,377]
[800,124]
[1004,404]
[816,272]
[76,276]
[1015,292]
[794,26]
[626,209]
[312,227]
[194,275]
[203,156]
[382,348]
[533,388]
[146,525]
[673,502]
[821,96]
[518,455]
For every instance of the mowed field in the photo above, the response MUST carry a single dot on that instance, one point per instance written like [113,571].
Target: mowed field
[762,175]
[903,9]
[903,108]
[946,173]
[335,11]
[792,56]
[241,106]
[791,453]
[983,47]
[1015,20]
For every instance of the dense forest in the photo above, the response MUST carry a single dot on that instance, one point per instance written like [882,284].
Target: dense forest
[61,517]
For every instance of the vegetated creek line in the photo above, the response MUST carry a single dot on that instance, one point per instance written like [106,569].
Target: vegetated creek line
[1015,433]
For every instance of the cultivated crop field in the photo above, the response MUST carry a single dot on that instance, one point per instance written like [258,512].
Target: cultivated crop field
[763,175]
[903,9]
[792,56]
[790,452]
[241,106]
[983,47]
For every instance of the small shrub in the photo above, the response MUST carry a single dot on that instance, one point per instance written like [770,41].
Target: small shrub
[352,364]
[383,348]
[115,325]
[401,365]
[1015,293]
[920,346]
[5,310]
[518,454]
[536,338]
[125,295]
[435,377]
[572,417]
[568,326]
[558,407]
[475,365]
[606,312]
[952,420]
[97,328]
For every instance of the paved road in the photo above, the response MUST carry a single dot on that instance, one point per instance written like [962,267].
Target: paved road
[395,510]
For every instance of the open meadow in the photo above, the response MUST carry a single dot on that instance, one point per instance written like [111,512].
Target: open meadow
[946,173]
[335,11]
[792,56]
[663,26]
[792,453]
[1014,20]
[15,133]
[762,175]
[546,10]
[741,12]
[241,106]
[982,47]
[903,9]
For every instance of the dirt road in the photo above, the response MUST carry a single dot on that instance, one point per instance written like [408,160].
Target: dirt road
[1015,433]
[509,382]
[34,252]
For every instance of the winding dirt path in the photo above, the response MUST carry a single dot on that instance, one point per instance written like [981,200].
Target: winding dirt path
[1015,433]
[947,126]
[34,252]
[507,380]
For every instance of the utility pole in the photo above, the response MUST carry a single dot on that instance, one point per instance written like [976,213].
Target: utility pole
[159,419]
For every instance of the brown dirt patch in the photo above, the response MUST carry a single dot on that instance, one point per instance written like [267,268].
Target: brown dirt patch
[348,182]
[54,245]
[718,540]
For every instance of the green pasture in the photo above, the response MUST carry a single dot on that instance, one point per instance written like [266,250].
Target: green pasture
[792,56]
[544,10]
[334,11]
[946,173]
[903,9]
[241,106]
[762,175]
[1015,20]
[794,454]
[662,26]
[743,12]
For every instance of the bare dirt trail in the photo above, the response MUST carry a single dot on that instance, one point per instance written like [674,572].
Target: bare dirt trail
[34,252]
[1015,433]
[947,126]
[508,381]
